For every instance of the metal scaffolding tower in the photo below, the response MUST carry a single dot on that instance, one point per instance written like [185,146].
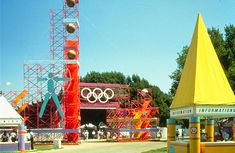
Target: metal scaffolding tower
[64,27]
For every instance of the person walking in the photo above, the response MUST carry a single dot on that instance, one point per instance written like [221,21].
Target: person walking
[86,134]
[30,138]
[177,134]
[93,134]
[182,134]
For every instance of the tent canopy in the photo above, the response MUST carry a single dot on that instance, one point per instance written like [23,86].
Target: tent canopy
[203,81]
[88,126]
[8,115]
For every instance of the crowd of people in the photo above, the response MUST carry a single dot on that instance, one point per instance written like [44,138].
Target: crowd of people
[93,134]
[219,135]
[11,136]
[8,137]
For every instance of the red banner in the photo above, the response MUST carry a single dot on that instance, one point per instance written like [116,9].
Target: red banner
[72,96]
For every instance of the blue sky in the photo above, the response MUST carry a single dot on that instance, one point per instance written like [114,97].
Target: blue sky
[131,36]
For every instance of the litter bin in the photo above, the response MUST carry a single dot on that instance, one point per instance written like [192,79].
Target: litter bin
[57,143]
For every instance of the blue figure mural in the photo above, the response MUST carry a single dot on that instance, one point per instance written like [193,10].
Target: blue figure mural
[51,93]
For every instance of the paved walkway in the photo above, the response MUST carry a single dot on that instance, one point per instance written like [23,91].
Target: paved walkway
[109,147]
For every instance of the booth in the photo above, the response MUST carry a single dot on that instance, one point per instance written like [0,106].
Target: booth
[204,94]
[9,119]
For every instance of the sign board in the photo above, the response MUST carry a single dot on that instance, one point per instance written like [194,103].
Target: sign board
[10,122]
[205,111]
[182,112]
[215,110]
[194,130]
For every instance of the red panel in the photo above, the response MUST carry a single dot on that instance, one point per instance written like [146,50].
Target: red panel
[103,85]
[72,97]
[110,105]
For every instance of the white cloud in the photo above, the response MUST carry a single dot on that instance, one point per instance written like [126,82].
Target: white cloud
[8,83]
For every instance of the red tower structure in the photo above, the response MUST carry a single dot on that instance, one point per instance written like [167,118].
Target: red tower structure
[71,95]
[64,28]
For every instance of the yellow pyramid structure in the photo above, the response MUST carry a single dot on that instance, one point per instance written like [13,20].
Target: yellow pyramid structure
[203,81]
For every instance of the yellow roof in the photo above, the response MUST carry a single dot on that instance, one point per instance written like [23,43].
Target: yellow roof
[203,81]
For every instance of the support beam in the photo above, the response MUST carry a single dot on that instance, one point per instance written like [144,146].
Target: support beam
[210,131]
[234,129]
[21,137]
[194,136]
[170,132]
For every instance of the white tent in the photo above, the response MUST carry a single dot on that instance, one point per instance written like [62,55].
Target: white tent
[8,115]
[89,126]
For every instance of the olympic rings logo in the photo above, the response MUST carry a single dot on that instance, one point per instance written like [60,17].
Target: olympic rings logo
[97,94]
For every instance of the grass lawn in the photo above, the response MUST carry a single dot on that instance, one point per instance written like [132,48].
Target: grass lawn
[43,147]
[36,148]
[162,150]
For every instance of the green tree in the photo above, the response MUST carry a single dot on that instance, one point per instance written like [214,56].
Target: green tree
[163,101]
[230,47]
[225,49]
[104,77]
[175,76]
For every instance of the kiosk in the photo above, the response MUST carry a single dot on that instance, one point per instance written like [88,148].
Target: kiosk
[203,93]
[9,118]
